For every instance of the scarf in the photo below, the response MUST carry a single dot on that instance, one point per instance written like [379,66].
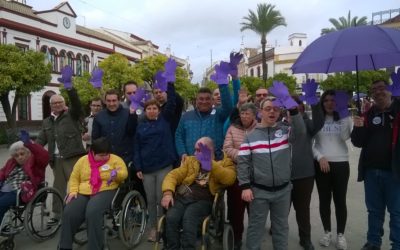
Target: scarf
[95,180]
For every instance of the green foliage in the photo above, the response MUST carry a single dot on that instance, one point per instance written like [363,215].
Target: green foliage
[22,72]
[290,81]
[118,71]
[251,83]
[211,85]
[149,66]
[347,81]
[343,23]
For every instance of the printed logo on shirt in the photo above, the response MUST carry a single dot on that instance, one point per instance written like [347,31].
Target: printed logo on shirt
[213,112]
[278,133]
[377,120]
[105,167]
[331,128]
[139,111]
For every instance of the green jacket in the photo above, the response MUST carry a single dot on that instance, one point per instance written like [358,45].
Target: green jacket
[64,130]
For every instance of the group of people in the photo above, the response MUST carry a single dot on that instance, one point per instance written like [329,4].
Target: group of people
[266,154]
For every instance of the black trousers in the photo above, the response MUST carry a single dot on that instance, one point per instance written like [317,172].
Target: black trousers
[334,183]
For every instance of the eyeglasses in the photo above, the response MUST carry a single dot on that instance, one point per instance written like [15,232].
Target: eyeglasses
[274,109]
[131,93]
[263,95]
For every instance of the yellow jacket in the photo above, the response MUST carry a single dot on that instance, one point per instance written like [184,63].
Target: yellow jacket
[223,174]
[79,181]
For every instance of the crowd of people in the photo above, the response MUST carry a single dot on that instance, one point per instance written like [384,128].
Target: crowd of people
[266,153]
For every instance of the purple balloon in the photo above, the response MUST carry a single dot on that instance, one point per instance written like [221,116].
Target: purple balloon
[97,78]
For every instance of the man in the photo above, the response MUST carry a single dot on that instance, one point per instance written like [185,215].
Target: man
[95,107]
[129,89]
[117,124]
[216,98]
[377,133]
[261,94]
[204,120]
[61,131]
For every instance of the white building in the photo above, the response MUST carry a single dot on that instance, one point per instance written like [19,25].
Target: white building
[56,33]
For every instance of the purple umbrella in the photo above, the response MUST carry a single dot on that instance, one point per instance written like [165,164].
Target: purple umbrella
[352,49]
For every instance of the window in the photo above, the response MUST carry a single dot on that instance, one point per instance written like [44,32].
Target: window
[79,64]
[86,62]
[23,108]
[251,72]
[258,71]
[70,60]
[22,47]
[300,43]
[45,50]
[63,59]
[53,59]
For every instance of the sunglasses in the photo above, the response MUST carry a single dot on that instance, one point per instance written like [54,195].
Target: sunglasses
[263,95]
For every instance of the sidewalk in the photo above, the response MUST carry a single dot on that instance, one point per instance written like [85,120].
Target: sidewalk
[355,229]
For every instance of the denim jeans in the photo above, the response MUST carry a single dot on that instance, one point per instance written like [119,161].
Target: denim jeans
[7,199]
[382,190]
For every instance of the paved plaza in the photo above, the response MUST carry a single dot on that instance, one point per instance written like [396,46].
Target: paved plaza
[355,229]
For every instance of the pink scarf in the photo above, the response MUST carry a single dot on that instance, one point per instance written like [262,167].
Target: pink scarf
[95,180]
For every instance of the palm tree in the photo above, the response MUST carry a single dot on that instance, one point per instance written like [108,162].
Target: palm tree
[262,23]
[342,23]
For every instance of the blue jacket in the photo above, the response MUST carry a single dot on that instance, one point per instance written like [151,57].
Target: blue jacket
[154,144]
[194,125]
[119,128]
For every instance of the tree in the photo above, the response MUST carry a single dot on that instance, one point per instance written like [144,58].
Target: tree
[20,73]
[262,23]
[251,83]
[290,81]
[343,23]
[347,81]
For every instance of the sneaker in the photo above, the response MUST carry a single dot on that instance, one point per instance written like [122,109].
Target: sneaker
[341,242]
[52,222]
[307,245]
[325,241]
[152,237]
[368,246]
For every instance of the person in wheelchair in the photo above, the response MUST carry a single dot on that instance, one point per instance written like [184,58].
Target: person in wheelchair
[188,193]
[24,171]
[92,186]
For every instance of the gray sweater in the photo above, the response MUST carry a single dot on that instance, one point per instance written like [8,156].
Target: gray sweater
[265,155]
[302,155]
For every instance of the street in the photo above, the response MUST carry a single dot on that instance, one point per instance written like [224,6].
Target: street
[355,229]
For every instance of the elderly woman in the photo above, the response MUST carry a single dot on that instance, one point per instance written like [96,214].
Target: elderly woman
[234,137]
[92,186]
[188,193]
[26,167]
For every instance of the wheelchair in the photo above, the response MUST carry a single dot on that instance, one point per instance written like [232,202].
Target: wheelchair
[216,232]
[32,217]
[126,218]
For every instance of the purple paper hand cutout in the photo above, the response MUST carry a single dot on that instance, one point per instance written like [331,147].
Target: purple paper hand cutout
[24,136]
[342,100]
[234,62]
[170,68]
[137,99]
[66,77]
[113,176]
[204,157]
[160,81]
[395,87]
[97,77]
[283,98]
[310,89]
[220,76]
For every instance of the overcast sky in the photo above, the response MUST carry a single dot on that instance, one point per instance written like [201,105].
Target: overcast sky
[194,28]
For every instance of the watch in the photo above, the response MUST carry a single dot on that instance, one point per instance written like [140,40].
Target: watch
[66,22]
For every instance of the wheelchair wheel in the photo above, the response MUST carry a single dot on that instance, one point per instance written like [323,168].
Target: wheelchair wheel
[7,244]
[228,238]
[132,219]
[38,212]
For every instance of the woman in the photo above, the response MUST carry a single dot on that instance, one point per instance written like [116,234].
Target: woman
[26,167]
[234,137]
[264,174]
[332,169]
[92,186]
[154,152]
[188,193]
